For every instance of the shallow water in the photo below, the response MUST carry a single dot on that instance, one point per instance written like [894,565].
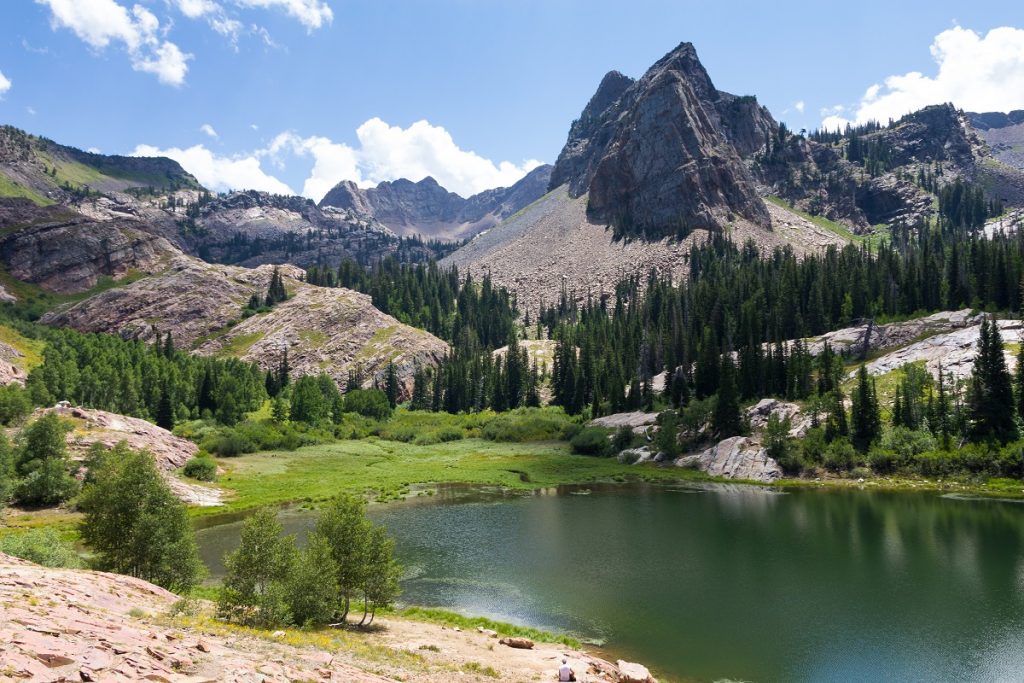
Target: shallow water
[703,583]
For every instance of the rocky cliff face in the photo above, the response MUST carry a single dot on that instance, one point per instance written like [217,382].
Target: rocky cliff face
[657,156]
[427,209]
[70,254]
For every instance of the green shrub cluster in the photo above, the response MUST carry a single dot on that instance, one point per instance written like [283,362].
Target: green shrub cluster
[42,546]
[592,441]
[201,468]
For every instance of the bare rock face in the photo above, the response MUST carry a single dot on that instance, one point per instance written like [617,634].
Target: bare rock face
[332,331]
[169,452]
[425,208]
[738,457]
[759,414]
[324,330]
[658,159]
[954,351]
[73,625]
[870,337]
[70,257]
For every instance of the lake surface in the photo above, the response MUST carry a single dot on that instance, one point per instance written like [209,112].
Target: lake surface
[706,583]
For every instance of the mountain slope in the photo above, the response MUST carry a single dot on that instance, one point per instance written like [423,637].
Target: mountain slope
[47,172]
[552,245]
[323,330]
[425,208]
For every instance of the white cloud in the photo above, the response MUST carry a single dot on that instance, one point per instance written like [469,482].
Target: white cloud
[219,173]
[94,150]
[975,72]
[384,153]
[310,13]
[99,23]
[31,111]
[389,152]
[193,9]
[800,105]
[5,84]
[208,129]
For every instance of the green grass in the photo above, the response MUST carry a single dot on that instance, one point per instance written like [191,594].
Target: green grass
[239,345]
[881,231]
[31,350]
[378,343]
[454,619]
[387,469]
[9,188]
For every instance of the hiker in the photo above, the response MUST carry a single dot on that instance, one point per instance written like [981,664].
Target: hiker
[565,672]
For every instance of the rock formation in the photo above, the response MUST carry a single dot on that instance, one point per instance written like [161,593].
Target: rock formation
[427,209]
[71,256]
[170,453]
[656,156]
[738,457]
[324,330]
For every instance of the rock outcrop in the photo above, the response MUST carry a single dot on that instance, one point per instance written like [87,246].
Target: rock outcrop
[955,351]
[63,625]
[869,337]
[738,457]
[759,414]
[324,330]
[427,209]
[630,672]
[169,452]
[71,256]
[76,625]
[655,155]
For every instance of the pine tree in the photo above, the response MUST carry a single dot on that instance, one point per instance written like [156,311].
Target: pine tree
[866,423]
[992,407]
[391,388]
[165,411]
[727,420]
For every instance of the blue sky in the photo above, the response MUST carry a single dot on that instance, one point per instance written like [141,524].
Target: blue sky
[284,85]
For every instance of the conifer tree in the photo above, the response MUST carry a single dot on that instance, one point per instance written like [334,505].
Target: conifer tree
[991,400]
[866,423]
[727,420]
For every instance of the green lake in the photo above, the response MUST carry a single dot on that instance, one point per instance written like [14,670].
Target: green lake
[706,583]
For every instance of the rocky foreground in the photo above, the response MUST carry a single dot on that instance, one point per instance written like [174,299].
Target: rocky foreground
[74,625]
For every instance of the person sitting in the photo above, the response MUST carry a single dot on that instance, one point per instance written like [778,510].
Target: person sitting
[565,672]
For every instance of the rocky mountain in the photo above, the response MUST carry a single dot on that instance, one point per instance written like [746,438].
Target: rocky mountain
[425,208]
[46,172]
[1004,134]
[67,253]
[323,330]
[662,155]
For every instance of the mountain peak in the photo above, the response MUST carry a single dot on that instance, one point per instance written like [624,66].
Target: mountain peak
[655,154]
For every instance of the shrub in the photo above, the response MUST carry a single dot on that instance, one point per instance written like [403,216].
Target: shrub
[42,546]
[840,456]
[530,424]
[883,461]
[368,403]
[813,446]
[907,443]
[935,463]
[623,438]
[592,441]
[201,468]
